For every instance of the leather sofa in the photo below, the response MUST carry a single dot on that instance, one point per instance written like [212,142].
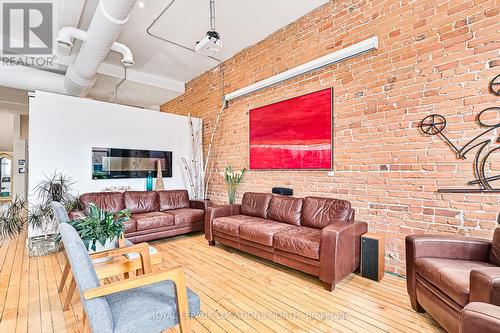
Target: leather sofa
[315,235]
[445,273]
[155,214]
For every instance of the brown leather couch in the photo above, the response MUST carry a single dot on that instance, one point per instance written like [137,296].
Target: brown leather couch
[445,273]
[315,235]
[480,317]
[155,214]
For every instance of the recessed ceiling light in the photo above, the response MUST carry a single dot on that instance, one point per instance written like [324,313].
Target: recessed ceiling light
[141,4]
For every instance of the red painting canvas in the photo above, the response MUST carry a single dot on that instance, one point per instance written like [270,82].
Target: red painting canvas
[293,134]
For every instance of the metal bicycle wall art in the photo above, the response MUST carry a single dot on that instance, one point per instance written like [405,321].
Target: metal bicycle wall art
[435,124]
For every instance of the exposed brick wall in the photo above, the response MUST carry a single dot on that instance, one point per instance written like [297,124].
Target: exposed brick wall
[434,57]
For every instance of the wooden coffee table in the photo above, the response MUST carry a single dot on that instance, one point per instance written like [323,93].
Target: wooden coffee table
[120,264]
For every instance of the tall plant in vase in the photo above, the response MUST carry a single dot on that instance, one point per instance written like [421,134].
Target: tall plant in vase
[232,179]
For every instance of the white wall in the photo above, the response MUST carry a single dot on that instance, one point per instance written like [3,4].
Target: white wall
[63,130]
[6,131]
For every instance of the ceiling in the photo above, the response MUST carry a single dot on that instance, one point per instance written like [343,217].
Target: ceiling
[162,69]
[240,24]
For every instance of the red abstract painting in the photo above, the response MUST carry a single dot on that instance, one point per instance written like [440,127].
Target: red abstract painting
[293,134]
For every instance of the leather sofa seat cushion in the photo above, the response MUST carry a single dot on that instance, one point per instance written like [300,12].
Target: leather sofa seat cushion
[495,248]
[449,275]
[262,232]
[130,226]
[175,199]
[304,241]
[255,204]
[186,215]
[285,209]
[230,225]
[109,201]
[141,201]
[152,220]
[320,212]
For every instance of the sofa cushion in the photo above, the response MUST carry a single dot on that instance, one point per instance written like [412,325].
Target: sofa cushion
[320,212]
[175,199]
[152,220]
[301,240]
[130,226]
[495,247]
[285,209]
[262,232]
[230,225]
[449,275]
[141,201]
[109,201]
[255,204]
[186,215]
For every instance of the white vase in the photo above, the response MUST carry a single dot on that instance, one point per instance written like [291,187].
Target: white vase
[108,245]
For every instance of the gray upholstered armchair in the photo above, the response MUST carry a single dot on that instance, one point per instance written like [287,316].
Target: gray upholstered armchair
[152,302]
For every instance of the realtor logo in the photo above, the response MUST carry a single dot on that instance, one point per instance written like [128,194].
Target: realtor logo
[27,28]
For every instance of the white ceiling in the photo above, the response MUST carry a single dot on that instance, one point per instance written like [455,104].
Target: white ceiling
[241,23]
[162,69]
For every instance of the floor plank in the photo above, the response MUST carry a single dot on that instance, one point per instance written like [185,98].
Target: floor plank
[239,293]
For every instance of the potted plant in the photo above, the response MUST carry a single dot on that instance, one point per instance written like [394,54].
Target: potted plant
[100,229]
[16,215]
[232,179]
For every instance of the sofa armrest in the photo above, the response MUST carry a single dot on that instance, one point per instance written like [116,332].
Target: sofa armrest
[437,246]
[200,204]
[485,285]
[215,212]
[340,250]
[480,317]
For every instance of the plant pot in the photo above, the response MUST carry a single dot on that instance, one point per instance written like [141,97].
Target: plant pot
[42,245]
[109,245]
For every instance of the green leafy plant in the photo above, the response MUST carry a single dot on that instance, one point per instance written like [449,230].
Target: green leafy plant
[13,217]
[99,226]
[233,179]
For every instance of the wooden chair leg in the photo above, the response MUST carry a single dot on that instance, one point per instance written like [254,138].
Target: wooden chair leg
[64,276]
[69,296]
[85,323]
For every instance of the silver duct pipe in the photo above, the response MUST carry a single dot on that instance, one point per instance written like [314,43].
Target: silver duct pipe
[107,24]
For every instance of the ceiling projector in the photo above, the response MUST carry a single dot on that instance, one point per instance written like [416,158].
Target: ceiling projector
[210,44]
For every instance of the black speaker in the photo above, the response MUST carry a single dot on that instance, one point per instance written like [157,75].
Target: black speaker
[282,191]
[372,257]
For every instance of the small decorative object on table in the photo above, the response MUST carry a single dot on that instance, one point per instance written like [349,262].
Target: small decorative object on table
[100,230]
[159,177]
[232,180]
[149,182]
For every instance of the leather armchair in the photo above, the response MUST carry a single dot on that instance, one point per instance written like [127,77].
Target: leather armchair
[480,317]
[445,273]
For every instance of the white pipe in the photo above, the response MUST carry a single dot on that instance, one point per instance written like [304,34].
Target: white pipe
[367,45]
[29,78]
[108,22]
[66,35]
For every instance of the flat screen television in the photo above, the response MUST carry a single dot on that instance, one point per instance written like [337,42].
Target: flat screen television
[116,163]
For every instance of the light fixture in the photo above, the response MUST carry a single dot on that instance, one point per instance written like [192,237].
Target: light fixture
[140,4]
[367,45]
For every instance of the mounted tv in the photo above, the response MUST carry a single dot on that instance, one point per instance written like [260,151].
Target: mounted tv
[116,163]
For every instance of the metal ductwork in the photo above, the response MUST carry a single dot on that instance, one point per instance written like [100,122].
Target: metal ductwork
[108,22]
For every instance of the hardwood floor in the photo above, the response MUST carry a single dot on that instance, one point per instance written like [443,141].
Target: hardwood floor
[239,293]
